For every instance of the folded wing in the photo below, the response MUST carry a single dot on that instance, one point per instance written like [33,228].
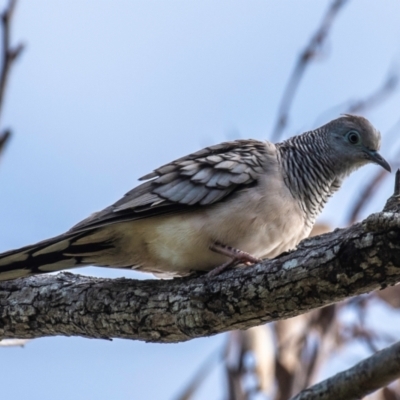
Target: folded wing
[197,180]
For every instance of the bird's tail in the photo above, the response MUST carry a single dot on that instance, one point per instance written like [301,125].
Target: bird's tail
[55,254]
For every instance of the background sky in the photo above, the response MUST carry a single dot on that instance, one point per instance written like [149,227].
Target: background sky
[106,91]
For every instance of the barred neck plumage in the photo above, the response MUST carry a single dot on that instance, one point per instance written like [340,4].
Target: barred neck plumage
[309,171]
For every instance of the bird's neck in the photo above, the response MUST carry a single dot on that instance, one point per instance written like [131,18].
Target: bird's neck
[309,171]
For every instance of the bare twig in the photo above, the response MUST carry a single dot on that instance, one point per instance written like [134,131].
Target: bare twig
[392,135]
[374,99]
[311,51]
[199,377]
[377,97]
[364,378]
[4,139]
[9,55]
[324,321]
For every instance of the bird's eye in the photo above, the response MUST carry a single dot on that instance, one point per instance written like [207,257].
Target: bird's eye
[353,137]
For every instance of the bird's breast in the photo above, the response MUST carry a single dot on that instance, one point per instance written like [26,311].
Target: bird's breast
[261,223]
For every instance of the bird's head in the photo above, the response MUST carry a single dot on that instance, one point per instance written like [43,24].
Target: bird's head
[354,143]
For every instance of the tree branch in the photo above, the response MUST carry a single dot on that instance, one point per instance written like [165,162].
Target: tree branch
[323,270]
[364,378]
[9,54]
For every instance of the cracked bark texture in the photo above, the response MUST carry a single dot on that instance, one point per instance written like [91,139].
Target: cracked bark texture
[323,270]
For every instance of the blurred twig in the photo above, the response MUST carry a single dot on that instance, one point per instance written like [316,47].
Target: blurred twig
[311,51]
[9,55]
[374,99]
[4,139]
[199,376]
[377,97]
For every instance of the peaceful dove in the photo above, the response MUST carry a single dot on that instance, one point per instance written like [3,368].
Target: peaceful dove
[237,201]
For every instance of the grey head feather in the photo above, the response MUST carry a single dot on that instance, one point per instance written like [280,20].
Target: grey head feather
[371,137]
[354,142]
[316,162]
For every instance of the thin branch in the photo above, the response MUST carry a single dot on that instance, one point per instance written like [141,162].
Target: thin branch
[376,98]
[363,105]
[311,51]
[8,57]
[392,135]
[364,378]
[10,54]
[200,376]
[4,137]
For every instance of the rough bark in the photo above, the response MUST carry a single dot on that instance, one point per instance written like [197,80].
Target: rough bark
[364,378]
[323,270]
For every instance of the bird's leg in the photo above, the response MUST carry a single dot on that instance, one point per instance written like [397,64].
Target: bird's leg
[236,256]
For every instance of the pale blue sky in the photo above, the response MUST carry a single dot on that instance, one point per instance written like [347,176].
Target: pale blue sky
[106,91]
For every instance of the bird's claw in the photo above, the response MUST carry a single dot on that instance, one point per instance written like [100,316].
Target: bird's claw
[237,256]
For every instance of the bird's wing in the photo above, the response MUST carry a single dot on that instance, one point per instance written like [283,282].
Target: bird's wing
[199,179]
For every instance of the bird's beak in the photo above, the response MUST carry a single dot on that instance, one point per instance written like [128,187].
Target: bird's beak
[375,157]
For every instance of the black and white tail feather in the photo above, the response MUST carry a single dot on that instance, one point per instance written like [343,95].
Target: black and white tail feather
[55,254]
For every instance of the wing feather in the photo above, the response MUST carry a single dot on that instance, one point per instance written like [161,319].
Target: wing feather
[195,196]
[213,196]
[203,176]
[199,179]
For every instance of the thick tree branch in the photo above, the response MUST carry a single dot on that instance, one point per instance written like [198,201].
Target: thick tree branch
[364,378]
[323,270]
